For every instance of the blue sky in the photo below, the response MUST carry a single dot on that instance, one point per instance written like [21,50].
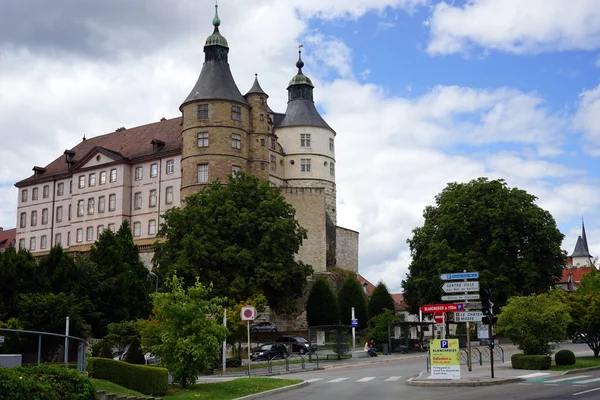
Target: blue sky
[420,92]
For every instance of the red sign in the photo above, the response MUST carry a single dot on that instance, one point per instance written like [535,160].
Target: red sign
[438,317]
[429,308]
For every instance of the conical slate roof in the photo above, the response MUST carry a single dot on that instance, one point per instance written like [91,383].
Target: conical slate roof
[256,87]
[581,247]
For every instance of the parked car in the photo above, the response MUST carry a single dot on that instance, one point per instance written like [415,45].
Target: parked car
[298,344]
[263,327]
[150,359]
[578,338]
[268,351]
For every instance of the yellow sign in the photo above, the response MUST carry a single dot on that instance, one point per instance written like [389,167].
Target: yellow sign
[445,359]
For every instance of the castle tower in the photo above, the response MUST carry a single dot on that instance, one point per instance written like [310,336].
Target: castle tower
[581,254]
[215,121]
[260,131]
[309,142]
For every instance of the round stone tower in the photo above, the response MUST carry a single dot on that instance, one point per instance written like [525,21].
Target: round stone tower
[260,131]
[215,121]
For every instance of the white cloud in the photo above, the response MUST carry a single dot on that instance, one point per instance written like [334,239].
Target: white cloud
[588,119]
[515,26]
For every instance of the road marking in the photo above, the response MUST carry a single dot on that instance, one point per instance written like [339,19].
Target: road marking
[366,379]
[571,378]
[551,384]
[586,391]
[314,380]
[337,380]
[524,384]
[392,379]
[534,375]
[588,381]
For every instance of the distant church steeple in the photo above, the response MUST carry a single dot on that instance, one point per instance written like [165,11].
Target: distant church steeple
[581,255]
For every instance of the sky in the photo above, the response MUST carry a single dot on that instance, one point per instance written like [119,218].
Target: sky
[420,92]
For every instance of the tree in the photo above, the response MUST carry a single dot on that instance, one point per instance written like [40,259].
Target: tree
[134,354]
[488,227]
[237,329]
[321,306]
[590,283]
[351,295]
[378,330]
[380,300]
[20,275]
[190,335]
[585,313]
[121,334]
[241,238]
[534,322]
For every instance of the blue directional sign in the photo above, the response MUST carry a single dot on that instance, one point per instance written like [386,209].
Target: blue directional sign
[459,275]
[354,322]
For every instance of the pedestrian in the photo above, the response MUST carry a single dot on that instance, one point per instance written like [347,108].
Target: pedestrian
[372,350]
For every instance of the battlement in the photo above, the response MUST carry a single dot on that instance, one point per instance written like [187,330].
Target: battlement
[302,190]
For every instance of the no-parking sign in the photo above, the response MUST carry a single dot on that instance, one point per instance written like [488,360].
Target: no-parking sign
[248,313]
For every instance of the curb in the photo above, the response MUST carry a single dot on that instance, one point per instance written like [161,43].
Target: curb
[274,391]
[447,383]
[574,371]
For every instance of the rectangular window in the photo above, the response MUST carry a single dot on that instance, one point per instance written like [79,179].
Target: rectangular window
[68,238]
[103,177]
[91,206]
[152,199]
[262,142]
[305,164]
[45,216]
[43,242]
[203,139]
[137,229]
[21,244]
[89,236]
[235,170]
[81,181]
[273,163]
[80,208]
[236,113]
[24,195]
[69,212]
[262,166]
[32,243]
[57,239]
[70,187]
[202,111]
[273,143]
[152,227]
[34,194]
[46,192]
[23,220]
[113,175]
[101,205]
[170,166]
[100,230]
[169,195]
[33,218]
[332,169]
[137,200]
[236,141]
[60,189]
[139,173]
[305,140]
[59,214]
[111,227]
[203,173]
[92,179]
[153,170]
[112,202]
[330,144]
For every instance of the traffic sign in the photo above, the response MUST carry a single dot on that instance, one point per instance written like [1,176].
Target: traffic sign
[459,297]
[468,316]
[248,313]
[439,317]
[429,308]
[354,322]
[1,339]
[459,275]
[473,305]
[456,287]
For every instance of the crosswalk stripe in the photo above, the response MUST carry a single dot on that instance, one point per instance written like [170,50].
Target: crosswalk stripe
[392,378]
[366,379]
[337,380]
[571,378]
[585,391]
[534,375]
[314,380]
[588,381]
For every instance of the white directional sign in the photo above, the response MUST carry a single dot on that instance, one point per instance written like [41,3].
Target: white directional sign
[457,287]
[459,297]
[474,305]
[459,275]
[1,339]
[468,316]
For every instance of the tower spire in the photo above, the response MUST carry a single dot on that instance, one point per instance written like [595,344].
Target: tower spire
[300,63]
[216,20]
[584,236]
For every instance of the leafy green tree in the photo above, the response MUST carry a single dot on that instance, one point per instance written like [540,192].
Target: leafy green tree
[351,295]
[240,237]
[190,335]
[378,330]
[534,322]
[585,313]
[321,306]
[380,300]
[237,329]
[105,350]
[121,334]
[589,284]
[20,274]
[134,354]
[488,227]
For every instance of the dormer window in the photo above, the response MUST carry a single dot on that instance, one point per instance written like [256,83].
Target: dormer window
[202,111]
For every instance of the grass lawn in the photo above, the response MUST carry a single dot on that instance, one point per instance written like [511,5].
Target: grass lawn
[228,390]
[109,387]
[580,362]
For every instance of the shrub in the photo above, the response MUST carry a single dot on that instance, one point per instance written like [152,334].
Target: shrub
[105,351]
[134,354]
[522,361]
[147,380]
[564,357]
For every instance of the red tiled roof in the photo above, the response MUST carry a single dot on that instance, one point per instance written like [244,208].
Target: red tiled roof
[370,286]
[399,303]
[576,273]
[132,143]
[7,238]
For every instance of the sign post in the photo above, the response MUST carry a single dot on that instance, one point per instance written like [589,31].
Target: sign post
[445,359]
[353,333]
[224,341]
[248,313]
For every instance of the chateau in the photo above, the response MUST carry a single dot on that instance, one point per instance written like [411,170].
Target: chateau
[137,173]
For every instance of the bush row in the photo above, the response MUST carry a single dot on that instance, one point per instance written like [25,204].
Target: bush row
[522,361]
[44,383]
[147,380]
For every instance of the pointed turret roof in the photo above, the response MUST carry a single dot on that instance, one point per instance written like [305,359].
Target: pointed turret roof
[256,87]
[581,247]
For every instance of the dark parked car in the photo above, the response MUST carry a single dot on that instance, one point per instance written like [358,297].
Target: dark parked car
[298,344]
[263,327]
[268,351]
[578,338]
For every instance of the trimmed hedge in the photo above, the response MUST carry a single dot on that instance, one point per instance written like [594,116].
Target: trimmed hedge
[147,380]
[522,361]
[564,357]
[44,383]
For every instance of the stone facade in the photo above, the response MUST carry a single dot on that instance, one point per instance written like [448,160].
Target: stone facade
[347,249]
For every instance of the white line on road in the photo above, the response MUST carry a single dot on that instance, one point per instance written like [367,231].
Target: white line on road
[551,384]
[392,379]
[524,384]
[337,380]
[571,378]
[534,375]
[314,380]
[366,379]
[589,380]
[586,391]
